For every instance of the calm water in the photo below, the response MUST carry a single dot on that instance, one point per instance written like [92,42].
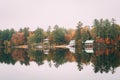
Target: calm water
[60,64]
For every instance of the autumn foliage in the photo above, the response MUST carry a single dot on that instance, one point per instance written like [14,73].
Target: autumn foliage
[102,31]
[18,39]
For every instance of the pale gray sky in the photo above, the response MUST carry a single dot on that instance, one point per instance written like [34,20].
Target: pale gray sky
[33,13]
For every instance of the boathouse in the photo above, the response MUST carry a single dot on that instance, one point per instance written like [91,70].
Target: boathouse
[72,43]
[89,43]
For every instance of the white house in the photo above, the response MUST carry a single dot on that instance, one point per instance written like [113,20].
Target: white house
[46,41]
[72,43]
[89,43]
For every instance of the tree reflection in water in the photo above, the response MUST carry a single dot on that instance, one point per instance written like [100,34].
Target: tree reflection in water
[102,60]
[106,60]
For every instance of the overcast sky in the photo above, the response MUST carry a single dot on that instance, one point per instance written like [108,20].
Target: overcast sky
[66,13]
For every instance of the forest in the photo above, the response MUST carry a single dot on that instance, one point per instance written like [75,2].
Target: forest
[103,31]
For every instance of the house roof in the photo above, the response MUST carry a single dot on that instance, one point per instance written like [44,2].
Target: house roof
[46,39]
[89,41]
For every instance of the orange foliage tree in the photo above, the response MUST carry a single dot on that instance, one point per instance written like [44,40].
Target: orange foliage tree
[18,38]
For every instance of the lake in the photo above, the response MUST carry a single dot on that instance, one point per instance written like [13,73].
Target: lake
[60,64]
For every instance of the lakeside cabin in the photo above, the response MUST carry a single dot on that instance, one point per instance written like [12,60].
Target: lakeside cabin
[88,45]
[43,45]
[72,43]
[46,43]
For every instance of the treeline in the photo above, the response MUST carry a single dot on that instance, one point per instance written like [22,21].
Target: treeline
[102,31]
[106,32]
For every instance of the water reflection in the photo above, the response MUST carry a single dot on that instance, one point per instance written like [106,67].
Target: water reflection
[106,60]
[102,59]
